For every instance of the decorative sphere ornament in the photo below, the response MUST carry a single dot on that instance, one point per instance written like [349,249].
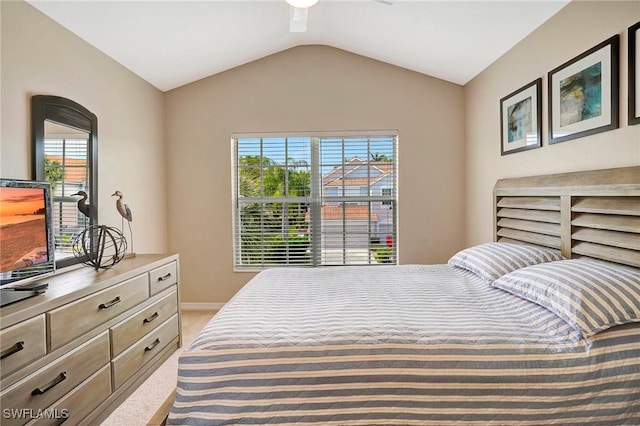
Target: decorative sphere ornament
[99,246]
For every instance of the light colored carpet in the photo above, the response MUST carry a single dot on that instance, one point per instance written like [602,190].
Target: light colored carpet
[138,409]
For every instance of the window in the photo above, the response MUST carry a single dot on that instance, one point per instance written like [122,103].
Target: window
[386,192]
[315,200]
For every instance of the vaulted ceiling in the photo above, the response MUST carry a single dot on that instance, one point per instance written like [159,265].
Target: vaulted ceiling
[172,43]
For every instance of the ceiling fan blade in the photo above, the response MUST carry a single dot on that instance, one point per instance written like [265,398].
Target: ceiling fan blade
[389,2]
[298,22]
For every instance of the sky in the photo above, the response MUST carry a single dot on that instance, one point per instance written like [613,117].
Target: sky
[15,201]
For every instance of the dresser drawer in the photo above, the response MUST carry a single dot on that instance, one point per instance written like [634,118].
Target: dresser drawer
[75,318]
[131,360]
[22,343]
[41,389]
[162,277]
[127,332]
[79,403]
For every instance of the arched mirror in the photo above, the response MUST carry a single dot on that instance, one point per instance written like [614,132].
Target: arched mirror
[65,154]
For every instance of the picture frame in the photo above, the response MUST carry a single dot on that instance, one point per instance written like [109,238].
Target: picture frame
[521,119]
[583,93]
[634,74]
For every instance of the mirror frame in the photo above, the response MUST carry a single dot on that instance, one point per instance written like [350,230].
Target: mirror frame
[71,114]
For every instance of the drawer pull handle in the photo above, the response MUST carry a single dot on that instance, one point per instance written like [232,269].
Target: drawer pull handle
[110,303]
[61,377]
[151,318]
[153,345]
[165,277]
[12,350]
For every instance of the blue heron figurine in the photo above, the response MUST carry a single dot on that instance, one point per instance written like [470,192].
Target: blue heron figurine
[83,207]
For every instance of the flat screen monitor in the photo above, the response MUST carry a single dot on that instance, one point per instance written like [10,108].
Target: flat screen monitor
[26,240]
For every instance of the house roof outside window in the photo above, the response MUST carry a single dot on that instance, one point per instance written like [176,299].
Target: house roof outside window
[350,213]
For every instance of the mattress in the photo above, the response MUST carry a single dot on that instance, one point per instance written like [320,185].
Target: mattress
[409,344]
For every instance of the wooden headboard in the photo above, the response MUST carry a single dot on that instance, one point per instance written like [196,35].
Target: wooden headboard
[593,213]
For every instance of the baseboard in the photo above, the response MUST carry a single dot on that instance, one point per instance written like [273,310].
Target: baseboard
[201,306]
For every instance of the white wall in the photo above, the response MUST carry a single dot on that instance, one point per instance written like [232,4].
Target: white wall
[578,27]
[41,57]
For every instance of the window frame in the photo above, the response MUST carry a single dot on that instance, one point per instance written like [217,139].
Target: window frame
[316,188]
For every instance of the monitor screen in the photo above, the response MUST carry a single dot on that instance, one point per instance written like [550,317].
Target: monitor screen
[26,247]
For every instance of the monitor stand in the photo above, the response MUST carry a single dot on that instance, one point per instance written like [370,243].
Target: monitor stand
[10,295]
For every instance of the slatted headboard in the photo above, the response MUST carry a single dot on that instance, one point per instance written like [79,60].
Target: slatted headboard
[594,213]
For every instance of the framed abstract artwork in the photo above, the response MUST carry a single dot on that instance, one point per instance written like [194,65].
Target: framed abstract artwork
[583,93]
[634,74]
[521,119]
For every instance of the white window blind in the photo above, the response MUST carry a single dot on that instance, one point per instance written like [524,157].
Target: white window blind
[67,172]
[315,200]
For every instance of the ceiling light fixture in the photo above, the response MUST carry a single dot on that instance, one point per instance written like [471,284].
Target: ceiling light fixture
[301,3]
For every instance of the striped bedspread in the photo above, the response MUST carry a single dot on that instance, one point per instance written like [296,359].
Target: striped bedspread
[412,344]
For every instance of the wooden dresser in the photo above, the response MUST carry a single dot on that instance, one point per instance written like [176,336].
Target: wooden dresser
[74,353]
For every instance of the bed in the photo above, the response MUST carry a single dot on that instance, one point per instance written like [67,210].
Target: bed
[540,326]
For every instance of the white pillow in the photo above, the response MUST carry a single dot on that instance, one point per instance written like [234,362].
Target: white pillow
[493,260]
[590,296]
